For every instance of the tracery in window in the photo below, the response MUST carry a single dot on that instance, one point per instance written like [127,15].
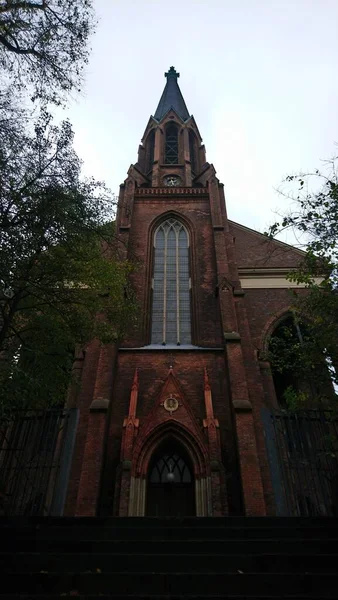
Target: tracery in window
[171,319]
[171,145]
[169,468]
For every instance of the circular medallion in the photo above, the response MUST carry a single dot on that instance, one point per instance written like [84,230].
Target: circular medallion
[170,404]
[172,181]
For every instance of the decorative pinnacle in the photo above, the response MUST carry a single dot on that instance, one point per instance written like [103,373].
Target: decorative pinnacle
[135,381]
[172,74]
[206,379]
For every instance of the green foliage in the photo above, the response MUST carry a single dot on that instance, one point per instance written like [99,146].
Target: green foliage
[61,282]
[315,217]
[295,353]
[44,45]
[295,399]
[299,354]
[314,214]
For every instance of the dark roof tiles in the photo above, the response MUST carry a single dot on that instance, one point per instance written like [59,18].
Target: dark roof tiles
[172,98]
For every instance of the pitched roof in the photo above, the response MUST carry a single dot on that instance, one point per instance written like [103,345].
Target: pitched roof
[255,250]
[172,98]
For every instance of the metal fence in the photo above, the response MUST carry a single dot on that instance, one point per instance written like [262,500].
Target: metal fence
[36,449]
[302,450]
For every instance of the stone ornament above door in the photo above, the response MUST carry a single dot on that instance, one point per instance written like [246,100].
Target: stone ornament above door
[171,404]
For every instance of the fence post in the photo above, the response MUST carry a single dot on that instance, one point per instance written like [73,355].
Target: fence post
[276,476]
[61,484]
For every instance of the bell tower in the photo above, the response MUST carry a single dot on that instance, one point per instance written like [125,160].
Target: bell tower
[186,346]
[171,152]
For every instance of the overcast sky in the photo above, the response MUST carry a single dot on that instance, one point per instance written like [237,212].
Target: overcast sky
[259,76]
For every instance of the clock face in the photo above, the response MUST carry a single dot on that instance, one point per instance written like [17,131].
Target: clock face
[172,180]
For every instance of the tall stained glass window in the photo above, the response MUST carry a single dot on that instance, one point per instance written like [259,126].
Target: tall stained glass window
[171,319]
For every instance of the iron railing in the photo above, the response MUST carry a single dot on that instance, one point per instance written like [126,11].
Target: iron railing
[302,450]
[36,449]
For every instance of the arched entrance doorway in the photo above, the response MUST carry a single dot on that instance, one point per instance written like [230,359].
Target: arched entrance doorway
[170,482]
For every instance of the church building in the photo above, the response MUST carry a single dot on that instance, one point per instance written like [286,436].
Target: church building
[173,421]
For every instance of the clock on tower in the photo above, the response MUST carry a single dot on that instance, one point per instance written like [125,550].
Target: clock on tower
[172,181]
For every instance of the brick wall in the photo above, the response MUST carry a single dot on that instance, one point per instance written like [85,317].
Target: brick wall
[234,373]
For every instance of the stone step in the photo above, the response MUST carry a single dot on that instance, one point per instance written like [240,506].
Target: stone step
[170,546]
[182,522]
[74,593]
[173,583]
[159,559]
[57,532]
[222,563]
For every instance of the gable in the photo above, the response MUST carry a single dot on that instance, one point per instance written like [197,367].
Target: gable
[255,251]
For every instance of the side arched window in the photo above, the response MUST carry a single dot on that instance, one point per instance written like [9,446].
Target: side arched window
[171,145]
[150,147]
[192,151]
[290,346]
[171,314]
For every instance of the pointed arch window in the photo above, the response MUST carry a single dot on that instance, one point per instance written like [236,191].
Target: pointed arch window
[192,150]
[171,313]
[150,148]
[171,145]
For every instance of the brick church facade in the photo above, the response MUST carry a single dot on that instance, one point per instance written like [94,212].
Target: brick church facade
[170,421]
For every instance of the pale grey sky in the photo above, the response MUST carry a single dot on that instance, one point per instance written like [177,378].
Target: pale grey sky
[259,76]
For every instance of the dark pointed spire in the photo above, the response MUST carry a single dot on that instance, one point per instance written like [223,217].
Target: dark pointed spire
[172,97]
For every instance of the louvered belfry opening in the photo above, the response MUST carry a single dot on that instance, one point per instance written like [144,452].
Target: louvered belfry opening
[171,145]
[171,318]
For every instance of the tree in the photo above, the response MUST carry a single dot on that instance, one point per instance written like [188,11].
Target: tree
[44,45]
[313,217]
[61,282]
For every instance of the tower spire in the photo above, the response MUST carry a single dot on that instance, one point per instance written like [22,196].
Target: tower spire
[172,97]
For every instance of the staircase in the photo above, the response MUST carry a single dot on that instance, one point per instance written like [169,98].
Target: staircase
[150,558]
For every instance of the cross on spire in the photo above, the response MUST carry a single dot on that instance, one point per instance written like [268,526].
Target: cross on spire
[172,74]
